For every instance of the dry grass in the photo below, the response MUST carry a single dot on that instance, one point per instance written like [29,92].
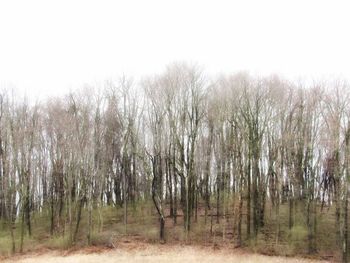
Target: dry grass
[155,253]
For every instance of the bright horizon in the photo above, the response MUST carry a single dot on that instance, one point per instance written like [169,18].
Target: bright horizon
[51,47]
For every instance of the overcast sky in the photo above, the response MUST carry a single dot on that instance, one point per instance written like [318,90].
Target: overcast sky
[51,47]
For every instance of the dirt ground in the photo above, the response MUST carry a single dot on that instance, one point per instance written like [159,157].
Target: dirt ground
[151,253]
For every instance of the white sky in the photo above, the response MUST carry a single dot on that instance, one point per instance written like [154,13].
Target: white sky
[50,47]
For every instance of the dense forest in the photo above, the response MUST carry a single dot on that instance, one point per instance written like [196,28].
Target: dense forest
[244,159]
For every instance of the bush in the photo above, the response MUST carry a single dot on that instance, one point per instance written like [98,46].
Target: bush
[102,239]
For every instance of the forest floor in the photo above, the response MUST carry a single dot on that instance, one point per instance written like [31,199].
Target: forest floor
[142,252]
[112,241]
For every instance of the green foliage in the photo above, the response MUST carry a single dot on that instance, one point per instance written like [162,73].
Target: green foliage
[298,234]
[5,244]
[59,242]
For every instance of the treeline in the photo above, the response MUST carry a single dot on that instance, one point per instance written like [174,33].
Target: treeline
[186,142]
